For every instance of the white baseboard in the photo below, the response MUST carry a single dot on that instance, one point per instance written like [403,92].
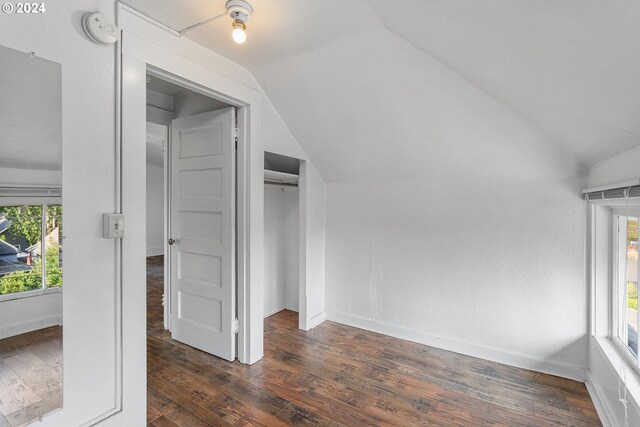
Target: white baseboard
[599,401]
[155,250]
[291,308]
[317,319]
[30,326]
[573,372]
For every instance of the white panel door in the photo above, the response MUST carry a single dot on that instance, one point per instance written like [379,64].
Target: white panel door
[203,231]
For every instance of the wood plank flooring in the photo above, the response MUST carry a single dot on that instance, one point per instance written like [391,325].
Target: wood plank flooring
[336,375]
[30,376]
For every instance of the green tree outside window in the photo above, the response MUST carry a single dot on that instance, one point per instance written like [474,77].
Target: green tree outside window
[26,224]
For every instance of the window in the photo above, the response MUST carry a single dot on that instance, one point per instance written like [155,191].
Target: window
[626,282]
[30,248]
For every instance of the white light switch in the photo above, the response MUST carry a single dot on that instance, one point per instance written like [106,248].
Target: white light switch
[113,226]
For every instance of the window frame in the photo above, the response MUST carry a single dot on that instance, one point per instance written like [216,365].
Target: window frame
[616,321]
[43,201]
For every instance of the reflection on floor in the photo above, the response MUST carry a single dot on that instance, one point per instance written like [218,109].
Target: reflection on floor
[30,376]
[338,375]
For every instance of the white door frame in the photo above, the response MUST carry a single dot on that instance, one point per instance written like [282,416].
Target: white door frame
[303,198]
[167,59]
[166,217]
[243,143]
[146,45]
[304,322]
[163,118]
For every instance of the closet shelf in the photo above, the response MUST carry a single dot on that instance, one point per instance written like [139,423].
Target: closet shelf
[280,177]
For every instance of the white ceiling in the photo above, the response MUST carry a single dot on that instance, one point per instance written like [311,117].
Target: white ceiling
[277,28]
[455,82]
[569,67]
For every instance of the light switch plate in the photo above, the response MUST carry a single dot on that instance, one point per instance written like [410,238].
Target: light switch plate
[113,226]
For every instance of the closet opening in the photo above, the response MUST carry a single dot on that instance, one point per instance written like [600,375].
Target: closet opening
[281,239]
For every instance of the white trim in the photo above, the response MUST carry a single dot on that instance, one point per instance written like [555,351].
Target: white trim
[611,355]
[622,211]
[618,264]
[30,326]
[303,230]
[166,222]
[30,294]
[22,200]
[565,370]
[317,319]
[600,403]
[165,63]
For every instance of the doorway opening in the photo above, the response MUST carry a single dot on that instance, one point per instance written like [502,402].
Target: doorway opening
[281,236]
[190,220]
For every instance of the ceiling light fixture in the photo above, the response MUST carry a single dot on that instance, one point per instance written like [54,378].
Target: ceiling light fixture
[239,11]
[239,33]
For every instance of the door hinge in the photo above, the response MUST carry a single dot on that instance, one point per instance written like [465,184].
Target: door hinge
[237,135]
[236,326]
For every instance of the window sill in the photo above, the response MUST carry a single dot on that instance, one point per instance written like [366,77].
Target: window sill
[30,294]
[612,354]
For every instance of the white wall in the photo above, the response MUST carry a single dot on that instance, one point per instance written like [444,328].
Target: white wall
[88,180]
[492,269]
[12,177]
[88,176]
[155,209]
[30,111]
[450,220]
[281,270]
[23,315]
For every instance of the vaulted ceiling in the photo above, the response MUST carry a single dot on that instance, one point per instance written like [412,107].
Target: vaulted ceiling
[372,85]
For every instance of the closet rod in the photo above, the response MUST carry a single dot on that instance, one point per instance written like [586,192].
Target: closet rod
[280,184]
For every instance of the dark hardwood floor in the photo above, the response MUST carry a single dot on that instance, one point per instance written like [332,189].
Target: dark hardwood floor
[336,375]
[30,376]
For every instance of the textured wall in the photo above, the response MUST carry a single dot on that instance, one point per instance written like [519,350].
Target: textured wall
[450,219]
[470,266]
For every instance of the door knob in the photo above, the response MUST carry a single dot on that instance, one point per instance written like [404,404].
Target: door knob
[172,241]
